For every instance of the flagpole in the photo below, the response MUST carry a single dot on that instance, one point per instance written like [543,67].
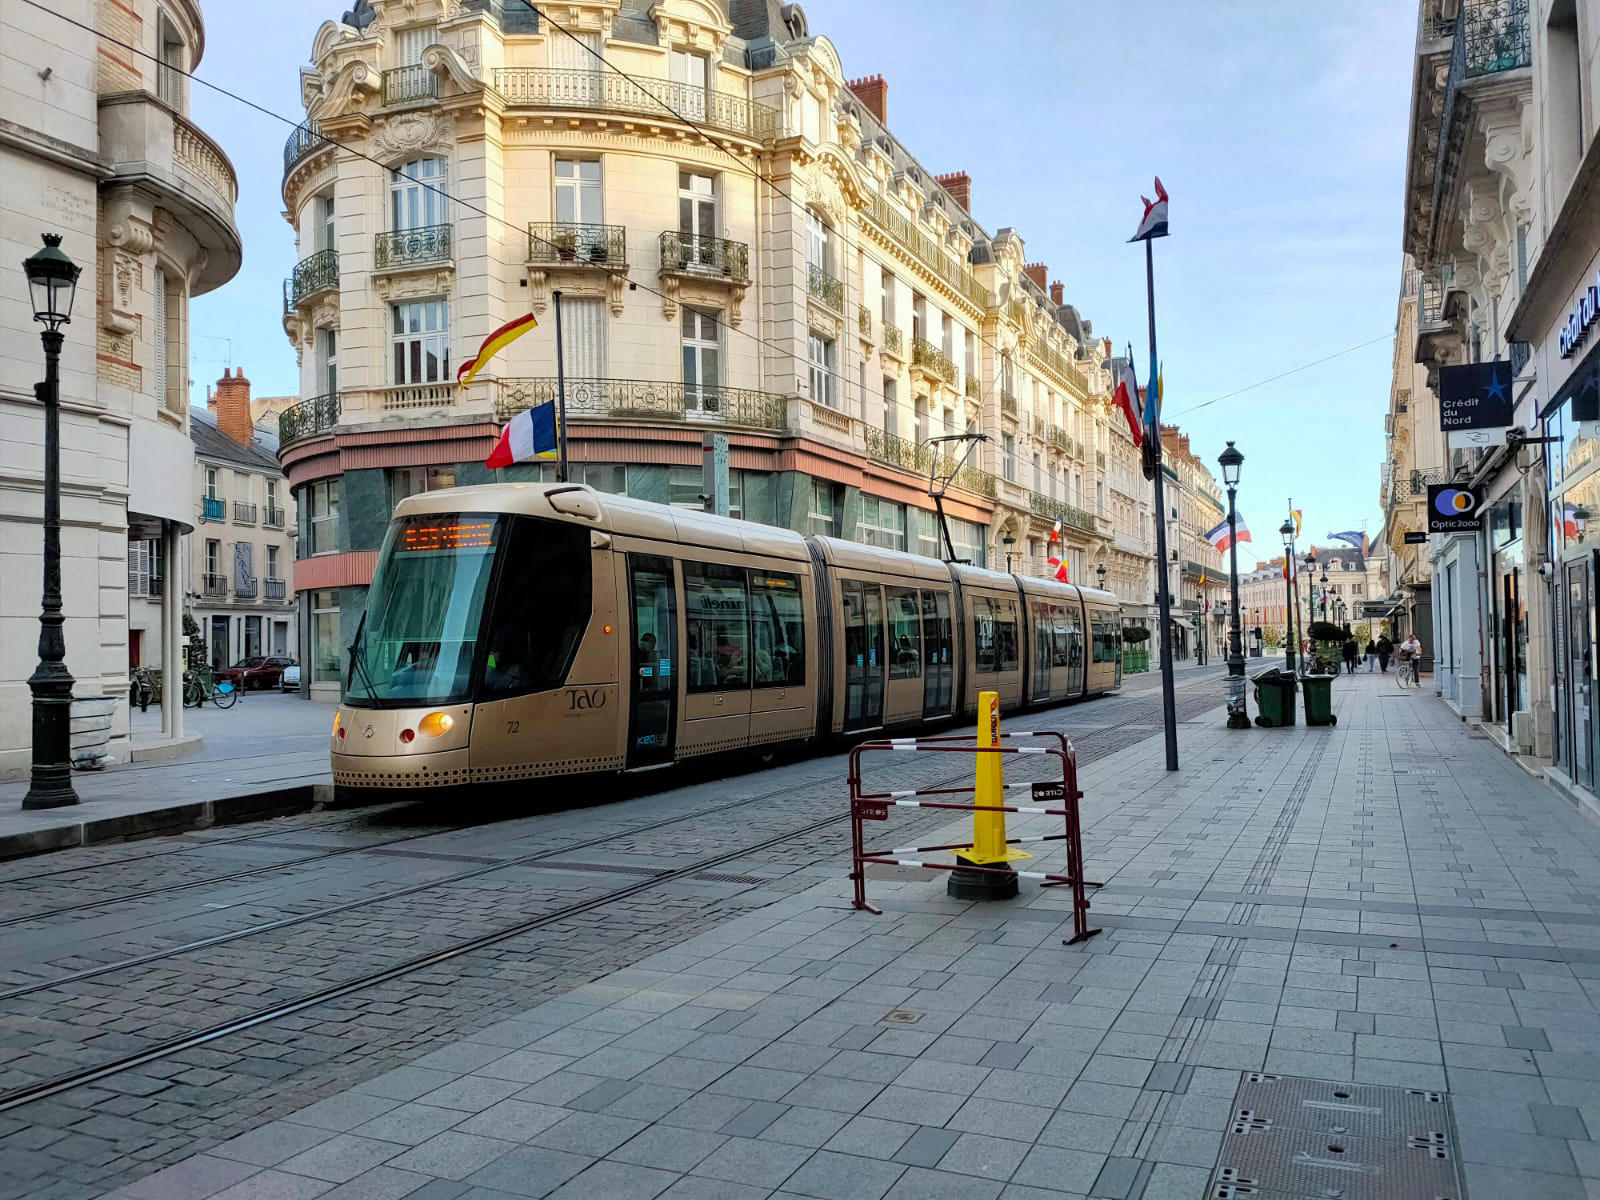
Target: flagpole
[1169,705]
[561,398]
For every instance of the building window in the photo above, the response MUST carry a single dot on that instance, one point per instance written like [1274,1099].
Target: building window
[211,484]
[325,636]
[322,516]
[272,563]
[921,413]
[697,216]
[417,194]
[328,353]
[411,481]
[421,342]
[684,486]
[891,416]
[882,523]
[1009,457]
[823,518]
[886,312]
[1038,473]
[327,230]
[919,316]
[170,67]
[579,194]
[702,360]
[213,559]
[691,73]
[817,247]
[824,365]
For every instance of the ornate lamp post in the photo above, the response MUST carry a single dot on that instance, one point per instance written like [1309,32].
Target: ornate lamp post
[1100,575]
[52,283]
[1324,582]
[1008,541]
[1287,530]
[1238,715]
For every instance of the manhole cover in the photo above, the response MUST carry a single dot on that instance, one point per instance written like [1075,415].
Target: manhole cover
[1289,1137]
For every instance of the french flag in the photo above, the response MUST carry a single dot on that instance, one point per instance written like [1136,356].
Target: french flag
[1222,540]
[1154,224]
[1127,399]
[527,437]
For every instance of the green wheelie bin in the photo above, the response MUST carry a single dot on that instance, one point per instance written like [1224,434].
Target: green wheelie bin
[1274,698]
[1319,700]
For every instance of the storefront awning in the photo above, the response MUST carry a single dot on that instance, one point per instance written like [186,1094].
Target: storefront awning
[1184,622]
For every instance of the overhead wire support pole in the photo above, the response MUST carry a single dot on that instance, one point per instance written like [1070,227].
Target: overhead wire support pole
[938,486]
[561,396]
[1169,704]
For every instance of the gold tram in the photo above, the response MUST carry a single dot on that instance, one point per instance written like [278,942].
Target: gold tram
[515,631]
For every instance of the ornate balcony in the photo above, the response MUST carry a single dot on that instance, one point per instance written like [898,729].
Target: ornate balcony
[926,354]
[274,517]
[1056,438]
[705,257]
[564,242]
[1100,459]
[974,388]
[907,455]
[894,340]
[308,418]
[864,321]
[411,247]
[302,140]
[608,91]
[406,85]
[243,513]
[1044,506]
[825,287]
[318,273]
[1008,404]
[644,400]
[213,508]
[275,589]
[1495,36]
[929,252]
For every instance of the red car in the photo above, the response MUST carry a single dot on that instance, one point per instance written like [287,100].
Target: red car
[256,672]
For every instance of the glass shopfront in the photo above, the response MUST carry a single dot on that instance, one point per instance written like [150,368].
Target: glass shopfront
[1574,463]
[1510,628]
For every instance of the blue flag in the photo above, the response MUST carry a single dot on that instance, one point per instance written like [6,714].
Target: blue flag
[1354,536]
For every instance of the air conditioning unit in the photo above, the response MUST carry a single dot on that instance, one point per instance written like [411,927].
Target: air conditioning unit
[1522,731]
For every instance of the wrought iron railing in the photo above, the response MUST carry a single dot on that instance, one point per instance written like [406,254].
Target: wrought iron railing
[213,508]
[1068,514]
[929,251]
[155,586]
[274,517]
[408,247]
[864,321]
[1416,483]
[571,242]
[825,287]
[244,513]
[639,399]
[1496,36]
[214,586]
[316,415]
[1049,357]
[1100,459]
[318,273]
[245,588]
[1008,404]
[608,91]
[302,140]
[1057,439]
[896,451]
[275,589]
[926,354]
[696,254]
[974,389]
[405,84]
[894,340]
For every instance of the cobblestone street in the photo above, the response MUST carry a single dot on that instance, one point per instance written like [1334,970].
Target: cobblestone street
[121,950]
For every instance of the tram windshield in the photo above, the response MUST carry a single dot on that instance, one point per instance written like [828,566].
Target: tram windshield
[425,610]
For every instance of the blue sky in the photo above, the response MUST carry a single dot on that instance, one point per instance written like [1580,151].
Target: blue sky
[1278,129]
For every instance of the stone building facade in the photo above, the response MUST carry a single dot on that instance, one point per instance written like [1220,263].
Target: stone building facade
[100,149]
[742,247]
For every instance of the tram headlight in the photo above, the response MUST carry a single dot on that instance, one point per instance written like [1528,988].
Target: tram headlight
[435,724]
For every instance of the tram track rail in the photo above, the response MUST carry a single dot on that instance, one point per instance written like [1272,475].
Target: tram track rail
[44,1089]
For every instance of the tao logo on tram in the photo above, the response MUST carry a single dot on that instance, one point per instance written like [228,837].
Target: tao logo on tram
[581,699]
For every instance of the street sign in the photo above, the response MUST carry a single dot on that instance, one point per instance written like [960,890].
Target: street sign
[1475,396]
[1415,537]
[1474,439]
[1453,509]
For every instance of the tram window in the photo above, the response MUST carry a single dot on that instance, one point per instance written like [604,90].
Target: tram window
[1005,634]
[936,628]
[535,628]
[778,626]
[983,632]
[1066,635]
[718,624]
[905,635]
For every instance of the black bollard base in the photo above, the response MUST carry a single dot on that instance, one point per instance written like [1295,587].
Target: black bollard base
[998,883]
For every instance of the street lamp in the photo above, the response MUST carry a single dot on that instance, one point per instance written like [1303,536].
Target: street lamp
[1287,530]
[1008,541]
[1100,575]
[52,283]
[1238,715]
[1324,582]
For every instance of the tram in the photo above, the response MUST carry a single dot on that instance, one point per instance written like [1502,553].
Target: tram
[524,630]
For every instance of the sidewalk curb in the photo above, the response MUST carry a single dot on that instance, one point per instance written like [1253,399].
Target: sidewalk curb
[230,810]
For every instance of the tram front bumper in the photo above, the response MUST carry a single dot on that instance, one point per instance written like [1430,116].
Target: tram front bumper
[401,747]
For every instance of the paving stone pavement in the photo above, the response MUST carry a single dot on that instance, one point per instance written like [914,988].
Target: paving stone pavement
[1390,901]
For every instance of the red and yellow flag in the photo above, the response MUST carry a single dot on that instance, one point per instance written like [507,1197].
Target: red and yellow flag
[492,345]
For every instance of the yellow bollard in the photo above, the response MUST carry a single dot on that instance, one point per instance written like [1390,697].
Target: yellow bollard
[988,847]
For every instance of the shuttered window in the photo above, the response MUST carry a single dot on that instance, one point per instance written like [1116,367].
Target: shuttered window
[159,383]
[410,43]
[584,338]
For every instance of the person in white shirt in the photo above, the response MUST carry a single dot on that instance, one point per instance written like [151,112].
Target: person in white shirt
[1411,657]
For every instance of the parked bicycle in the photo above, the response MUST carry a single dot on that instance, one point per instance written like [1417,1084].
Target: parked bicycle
[1407,674]
[140,689]
[200,686]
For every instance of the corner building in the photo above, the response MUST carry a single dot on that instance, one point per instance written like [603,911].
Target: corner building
[741,247]
[97,145]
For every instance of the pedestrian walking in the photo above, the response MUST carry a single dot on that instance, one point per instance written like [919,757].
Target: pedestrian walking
[1385,649]
[1351,654]
[1372,653]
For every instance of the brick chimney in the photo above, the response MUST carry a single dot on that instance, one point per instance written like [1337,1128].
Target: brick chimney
[232,406]
[959,185]
[1037,272]
[872,91]
[1058,293]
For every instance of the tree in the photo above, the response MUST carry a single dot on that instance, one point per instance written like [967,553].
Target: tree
[196,640]
[1135,633]
[1363,634]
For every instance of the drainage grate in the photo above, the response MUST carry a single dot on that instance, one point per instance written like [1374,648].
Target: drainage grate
[901,1016]
[1306,1137]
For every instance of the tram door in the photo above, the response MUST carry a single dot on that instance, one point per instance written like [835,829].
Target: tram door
[863,655]
[938,665]
[652,707]
[1044,649]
